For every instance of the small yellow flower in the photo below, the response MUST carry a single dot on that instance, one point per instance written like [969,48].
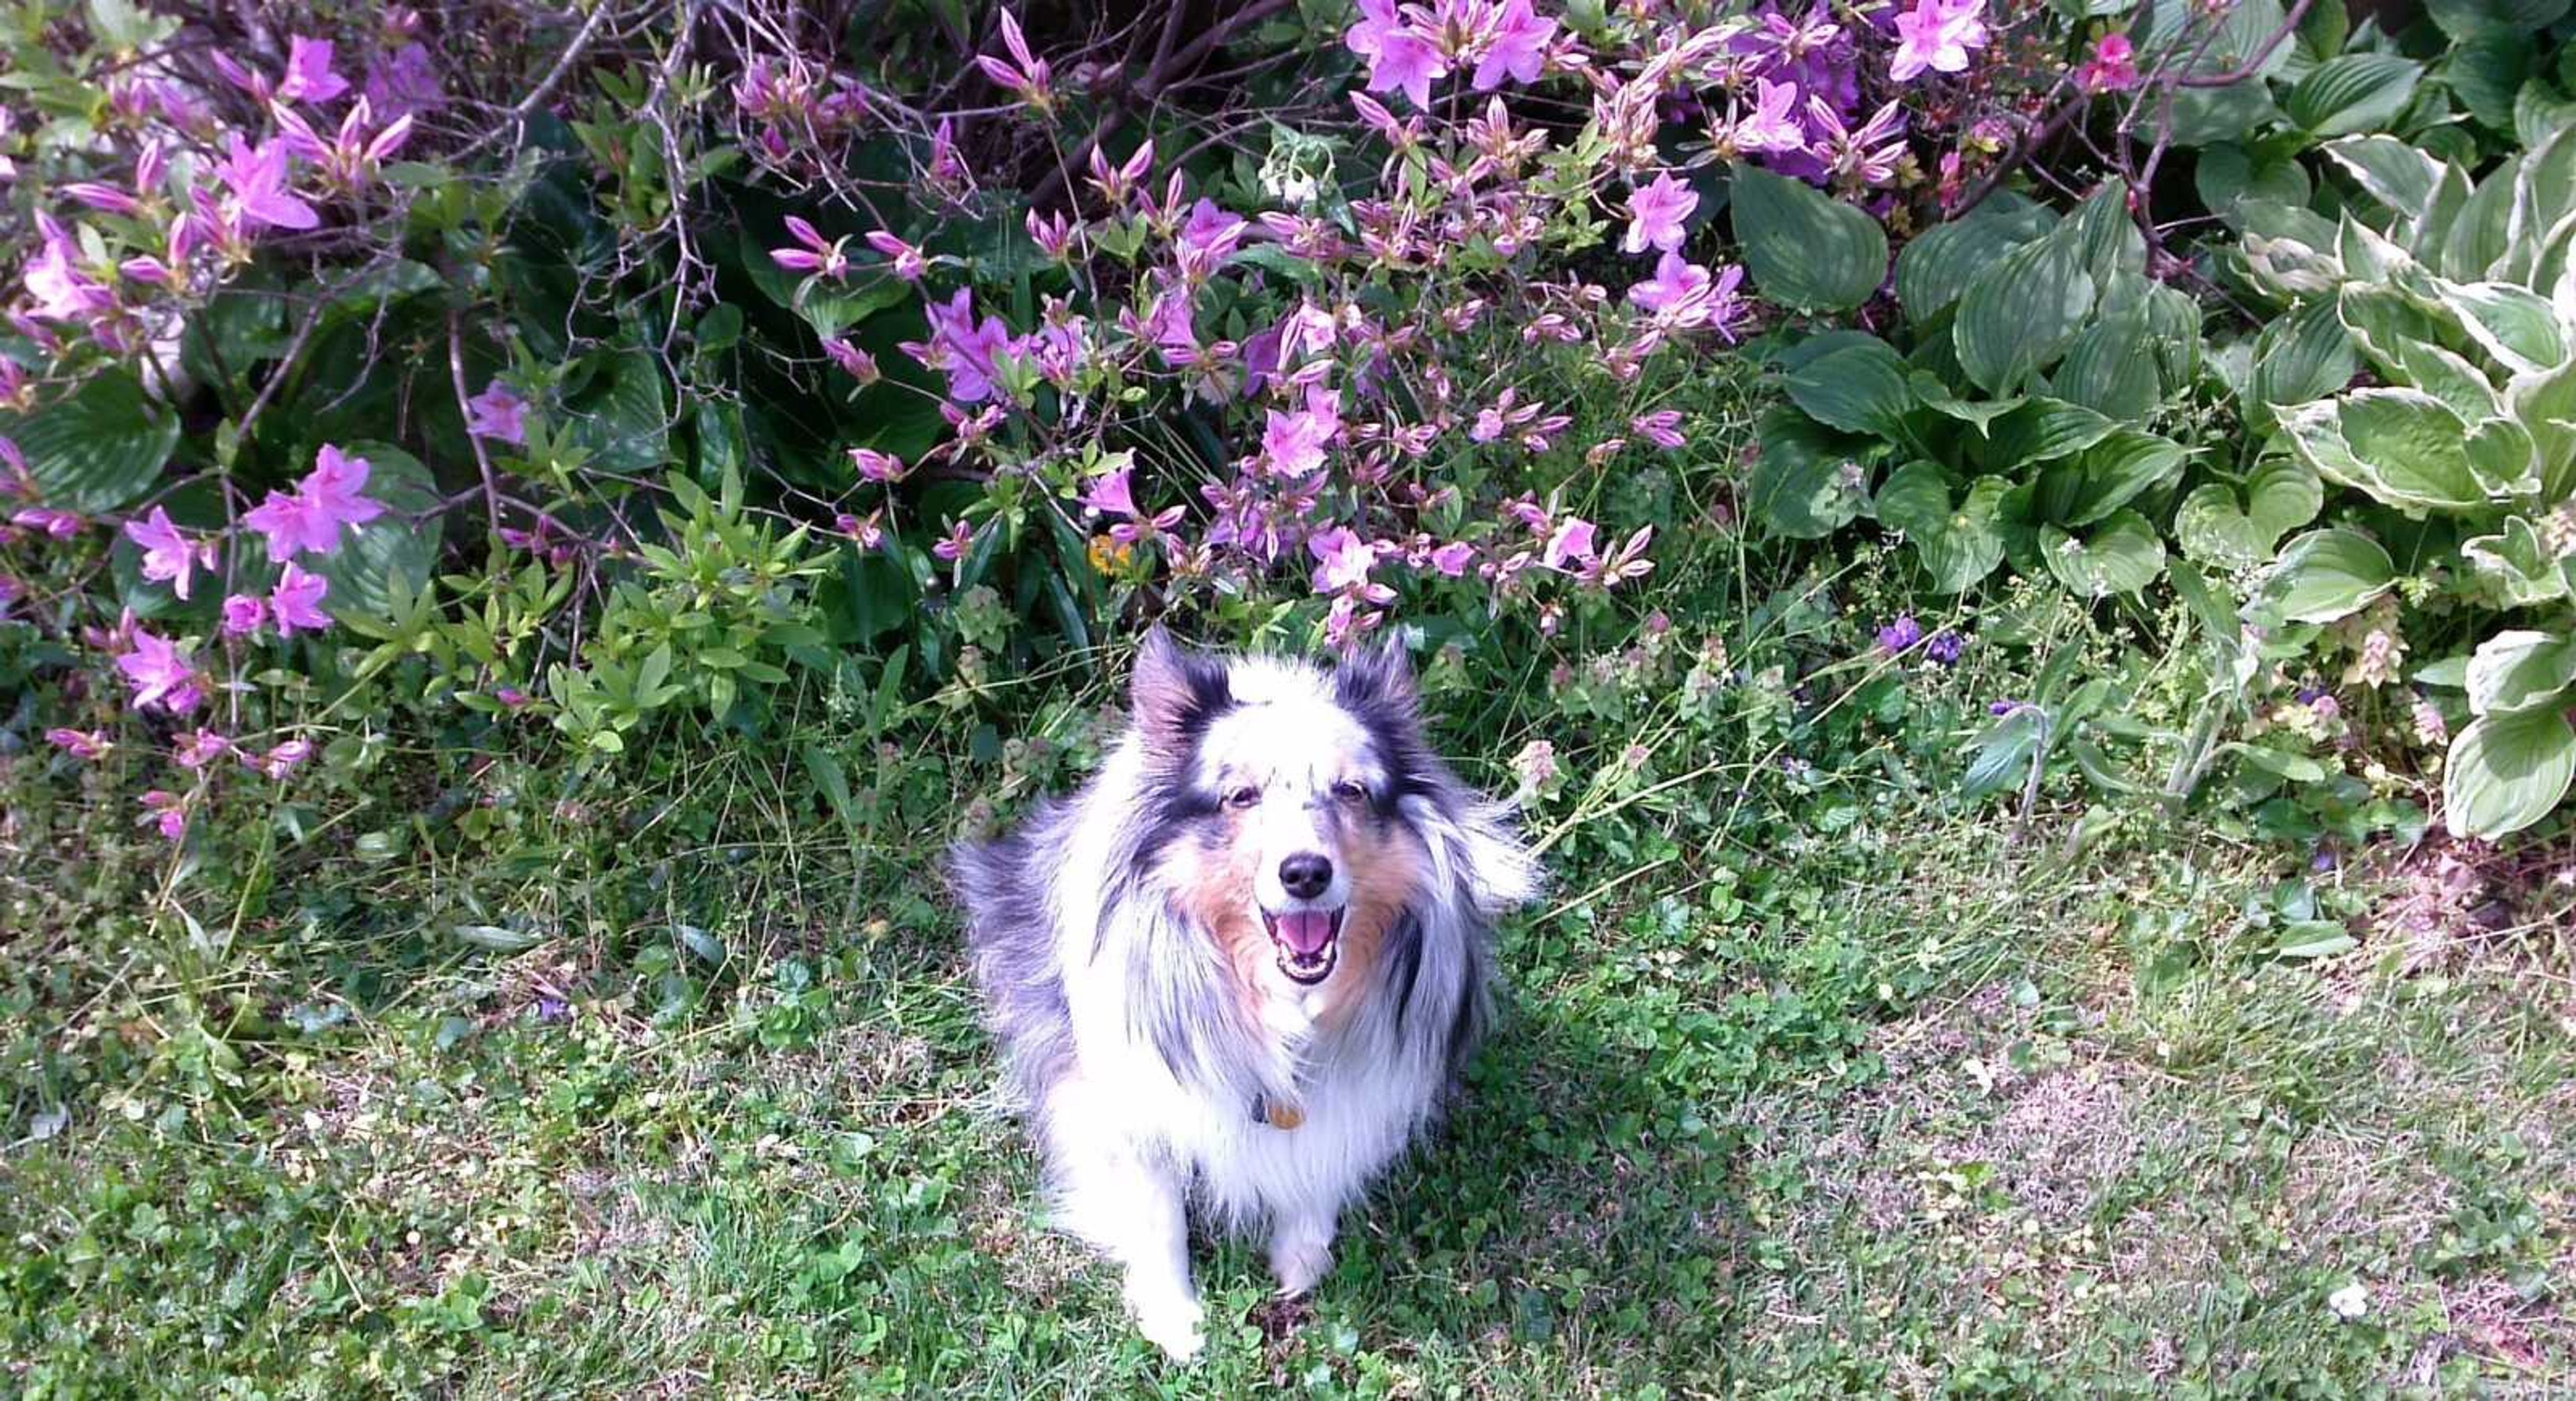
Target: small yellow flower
[1110,557]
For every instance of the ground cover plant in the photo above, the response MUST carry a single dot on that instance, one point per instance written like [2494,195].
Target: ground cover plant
[2017,562]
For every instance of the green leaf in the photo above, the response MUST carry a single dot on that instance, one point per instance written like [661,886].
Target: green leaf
[1806,249]
[2123,556]
[2329,574]
[1957,545]
[2298,358]
[2390,171]
[2215,525]
[2002,753]
[393,554]
[2020,314]
[2044,430]
[2107,476]
[1809,481]
[2518,670]
[2488,73]
[2225,174]
[2403,447]
[1939,264]
[2519,328]
[828,775]
[2516,564]
[2353,92]
[97,448]
[2506,772]
[2315,938]
[2109,368]
[2468,19]
[1858,388]
[621,418]
[1934,395]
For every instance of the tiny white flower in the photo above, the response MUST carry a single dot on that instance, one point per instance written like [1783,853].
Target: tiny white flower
[2349,1302]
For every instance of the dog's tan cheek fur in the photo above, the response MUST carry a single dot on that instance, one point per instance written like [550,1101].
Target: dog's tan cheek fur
[1215,886]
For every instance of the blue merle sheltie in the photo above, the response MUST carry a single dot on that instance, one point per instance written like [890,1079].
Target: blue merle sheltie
[1240,968]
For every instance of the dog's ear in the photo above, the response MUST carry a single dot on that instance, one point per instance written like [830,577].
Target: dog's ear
[1175,692]
[1378,681]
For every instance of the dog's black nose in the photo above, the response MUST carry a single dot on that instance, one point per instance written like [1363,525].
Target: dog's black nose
[1305,875]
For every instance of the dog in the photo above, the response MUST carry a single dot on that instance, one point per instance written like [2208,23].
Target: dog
[1240,969]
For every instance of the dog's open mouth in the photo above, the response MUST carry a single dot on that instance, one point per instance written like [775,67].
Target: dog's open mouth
[1307,942]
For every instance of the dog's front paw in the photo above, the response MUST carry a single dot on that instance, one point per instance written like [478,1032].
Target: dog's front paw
[1300,1258]
[1173,1322]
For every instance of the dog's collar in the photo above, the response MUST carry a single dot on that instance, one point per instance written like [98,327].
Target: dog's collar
[1277,1113]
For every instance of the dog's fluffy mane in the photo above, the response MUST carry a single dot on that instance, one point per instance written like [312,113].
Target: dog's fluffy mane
[1114,1001]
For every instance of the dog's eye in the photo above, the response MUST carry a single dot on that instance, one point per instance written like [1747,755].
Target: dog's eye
[1243,797]
[1349,790]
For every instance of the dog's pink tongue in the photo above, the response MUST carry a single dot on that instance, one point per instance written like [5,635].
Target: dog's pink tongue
[1306,931]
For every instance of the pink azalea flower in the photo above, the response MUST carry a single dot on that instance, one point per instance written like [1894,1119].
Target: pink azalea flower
[1343,564]
[1773,126]
[169,556]
[1023,72]
[1684,295]
[105,198]
[2113,67]
[1572,541]
[1208,239]
[819,255]
[277,763]
[1452,559]
[168,812]
[308,72]
[854,362]
[498,413]
[1663,428]
[1347,622]
[1400,58]
[62,525]
[1937,35]
[877,466]
[55,282]
[1112,493]
[256,179]
[1515,44]
[510,697]
[201,749]
[160,674]
[963,348]
[953,546]
[88,746]
[1293,444]
[296,601]
[324,501]
[244,615]
[1655,214]
[868,530]
[909,263]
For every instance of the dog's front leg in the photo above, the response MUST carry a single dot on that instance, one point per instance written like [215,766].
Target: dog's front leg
[1301,1248]
[1152,1241]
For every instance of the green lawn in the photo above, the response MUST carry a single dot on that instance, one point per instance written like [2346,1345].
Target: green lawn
[1898,1108]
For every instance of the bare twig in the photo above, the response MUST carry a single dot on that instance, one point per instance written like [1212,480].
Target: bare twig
[456,378]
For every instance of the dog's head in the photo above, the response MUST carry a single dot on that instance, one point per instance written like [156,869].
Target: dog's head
[1291,802]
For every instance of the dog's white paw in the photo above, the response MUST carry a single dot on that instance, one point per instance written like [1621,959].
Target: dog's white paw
[1299,1260]
[1172,1322]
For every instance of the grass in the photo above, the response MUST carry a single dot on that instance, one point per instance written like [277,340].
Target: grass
[1896,1111]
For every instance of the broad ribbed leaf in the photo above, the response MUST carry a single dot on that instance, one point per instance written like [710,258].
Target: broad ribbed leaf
[1809,481]
[2506,772]
[2353,92]
[2298,358]
[1806,249]
[98,448]
[2468,19]
[2399,445]
[2520,669]
[2390,171]
[2018,316]
[2123,556]
[2215,524]
[2329,574]
[1858,388]
[1957,544]
[2107,476]
[2110,369]
[1938,265]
